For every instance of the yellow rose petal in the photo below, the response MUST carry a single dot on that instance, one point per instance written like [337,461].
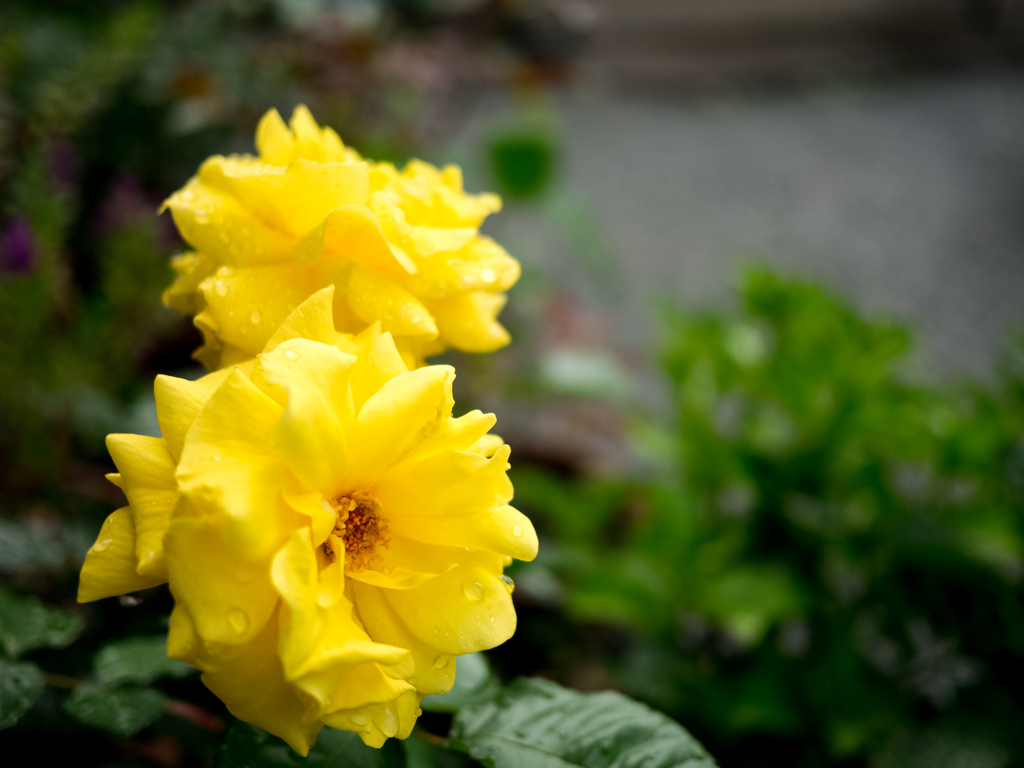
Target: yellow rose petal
[110,565]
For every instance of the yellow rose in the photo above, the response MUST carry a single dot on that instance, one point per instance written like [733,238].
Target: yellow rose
[402,248]
[332,536]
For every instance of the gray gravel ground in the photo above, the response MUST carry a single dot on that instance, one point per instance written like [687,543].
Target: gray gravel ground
[908,197]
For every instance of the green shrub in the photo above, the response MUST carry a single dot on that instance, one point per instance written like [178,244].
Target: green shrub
[827,570]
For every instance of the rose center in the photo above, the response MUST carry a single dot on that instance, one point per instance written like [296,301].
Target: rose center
[359,530]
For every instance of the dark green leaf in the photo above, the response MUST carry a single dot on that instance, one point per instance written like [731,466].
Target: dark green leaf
[250,747]
[424,754]
[474,682]
[137,660]
[537,724]
[20,685]
[26,624]
[124,712]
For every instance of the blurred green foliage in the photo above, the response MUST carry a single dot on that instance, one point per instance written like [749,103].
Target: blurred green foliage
[821,564]
[826,562]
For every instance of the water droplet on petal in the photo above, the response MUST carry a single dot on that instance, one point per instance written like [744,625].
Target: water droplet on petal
[216,458]
[474,590]
[385,570]
[256,317]
[415,319]
[418,711]
[359,719]
[441,661]
[220,288]
[291,356]
[238,619]
[100,546]
[488,276]
[517,531]
[492,619]
[223,272]
[509,584]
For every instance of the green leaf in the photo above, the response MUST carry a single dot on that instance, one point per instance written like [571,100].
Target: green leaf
[537,724]
[123,712]
[21,683]
[474,682]
[137,660]
[26,624]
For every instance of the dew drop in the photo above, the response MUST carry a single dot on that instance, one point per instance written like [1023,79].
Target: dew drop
[474,590]
[385,570]
[412,680]
[223,272]
[359,719]
[220,288]
[441,661]
[100,546]
[509,584]
[216,458]
[238,619]
[517,531]
[129,601]
[492,619]
[291,355]
[488,276]
[418,711]
[415,319]
[256,317]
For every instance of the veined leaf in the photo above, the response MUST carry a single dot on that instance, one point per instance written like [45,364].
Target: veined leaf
[26,624]
[137,660]
[21,683]
[124,712]
[537,724]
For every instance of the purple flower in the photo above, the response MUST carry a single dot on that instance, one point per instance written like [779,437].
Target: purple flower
[17,247]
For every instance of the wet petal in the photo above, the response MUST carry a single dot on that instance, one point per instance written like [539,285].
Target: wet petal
[466,610]
[109,568]
[225,229]
[407,563]
[229,600]
[503,530]
[147,478]
[178,402]
[311,434]
[249,679]
[228,464]
[375,298]
[323,650]
[469,323]
[245,307]
[432,672]
[391,421]
[295,199]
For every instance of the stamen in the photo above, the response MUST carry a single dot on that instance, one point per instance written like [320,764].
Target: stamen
[360,528]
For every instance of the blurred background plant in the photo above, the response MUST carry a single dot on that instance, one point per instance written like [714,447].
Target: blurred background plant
[774,523]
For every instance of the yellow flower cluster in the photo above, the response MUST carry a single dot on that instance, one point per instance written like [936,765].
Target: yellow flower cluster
[332,536]
[402,248]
